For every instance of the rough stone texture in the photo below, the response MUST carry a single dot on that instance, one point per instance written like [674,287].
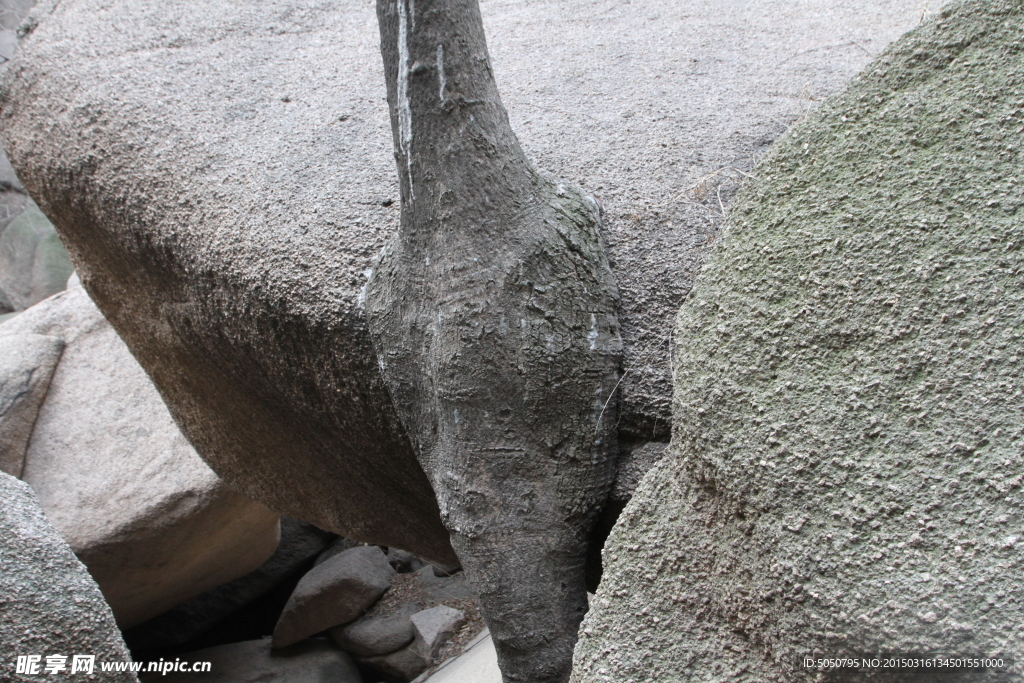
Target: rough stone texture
[375,635]
[846,471]
[118,480]
[633,465]
[433,627]
[299,544]
[48,602]
[27,362]
[334,592]
[314,661]
[33,262]
[227,224]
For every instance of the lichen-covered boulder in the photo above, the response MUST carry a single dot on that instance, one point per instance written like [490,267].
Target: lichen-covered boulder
[846,469]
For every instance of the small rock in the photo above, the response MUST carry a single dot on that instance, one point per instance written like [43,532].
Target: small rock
[403,665]
[375,636]
[334,592]
[27,362]
[403,561]
[33,263]
[253,661]
[433,627]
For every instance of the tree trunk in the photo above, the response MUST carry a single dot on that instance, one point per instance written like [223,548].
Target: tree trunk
[493,317]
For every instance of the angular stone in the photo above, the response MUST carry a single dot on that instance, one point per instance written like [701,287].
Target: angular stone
[119,482]
[373,636]
[48,602]
[335,592]
[27,362]
[846,470]
[313,661]
[33,262]
[434,627]
[300,543]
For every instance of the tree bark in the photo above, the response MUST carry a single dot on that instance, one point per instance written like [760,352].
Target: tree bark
[493,317]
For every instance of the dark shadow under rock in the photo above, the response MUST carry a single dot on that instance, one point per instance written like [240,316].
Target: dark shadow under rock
[244,609]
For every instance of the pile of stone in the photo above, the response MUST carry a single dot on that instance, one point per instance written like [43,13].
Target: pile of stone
[360,613]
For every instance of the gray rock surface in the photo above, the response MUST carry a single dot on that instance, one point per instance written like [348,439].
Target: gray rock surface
[314,661]
[433,627]
[118,480]
[403,665]
[633,464]
[244,211]
[27,362]
[33,262]
[48,602]
[371,636]
[8,178]
[334,592]
[300,542]
[438,585]
[846,474]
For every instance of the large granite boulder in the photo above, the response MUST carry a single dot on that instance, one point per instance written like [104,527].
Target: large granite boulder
[49,605]
[119,482]
[223,177]
[845,476]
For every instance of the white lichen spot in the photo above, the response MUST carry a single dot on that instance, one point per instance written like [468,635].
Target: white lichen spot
[404,109]
[592,336]
[458,418]
[442,82]
[361,299]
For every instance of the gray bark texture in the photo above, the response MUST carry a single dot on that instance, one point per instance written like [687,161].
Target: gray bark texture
[493,314]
